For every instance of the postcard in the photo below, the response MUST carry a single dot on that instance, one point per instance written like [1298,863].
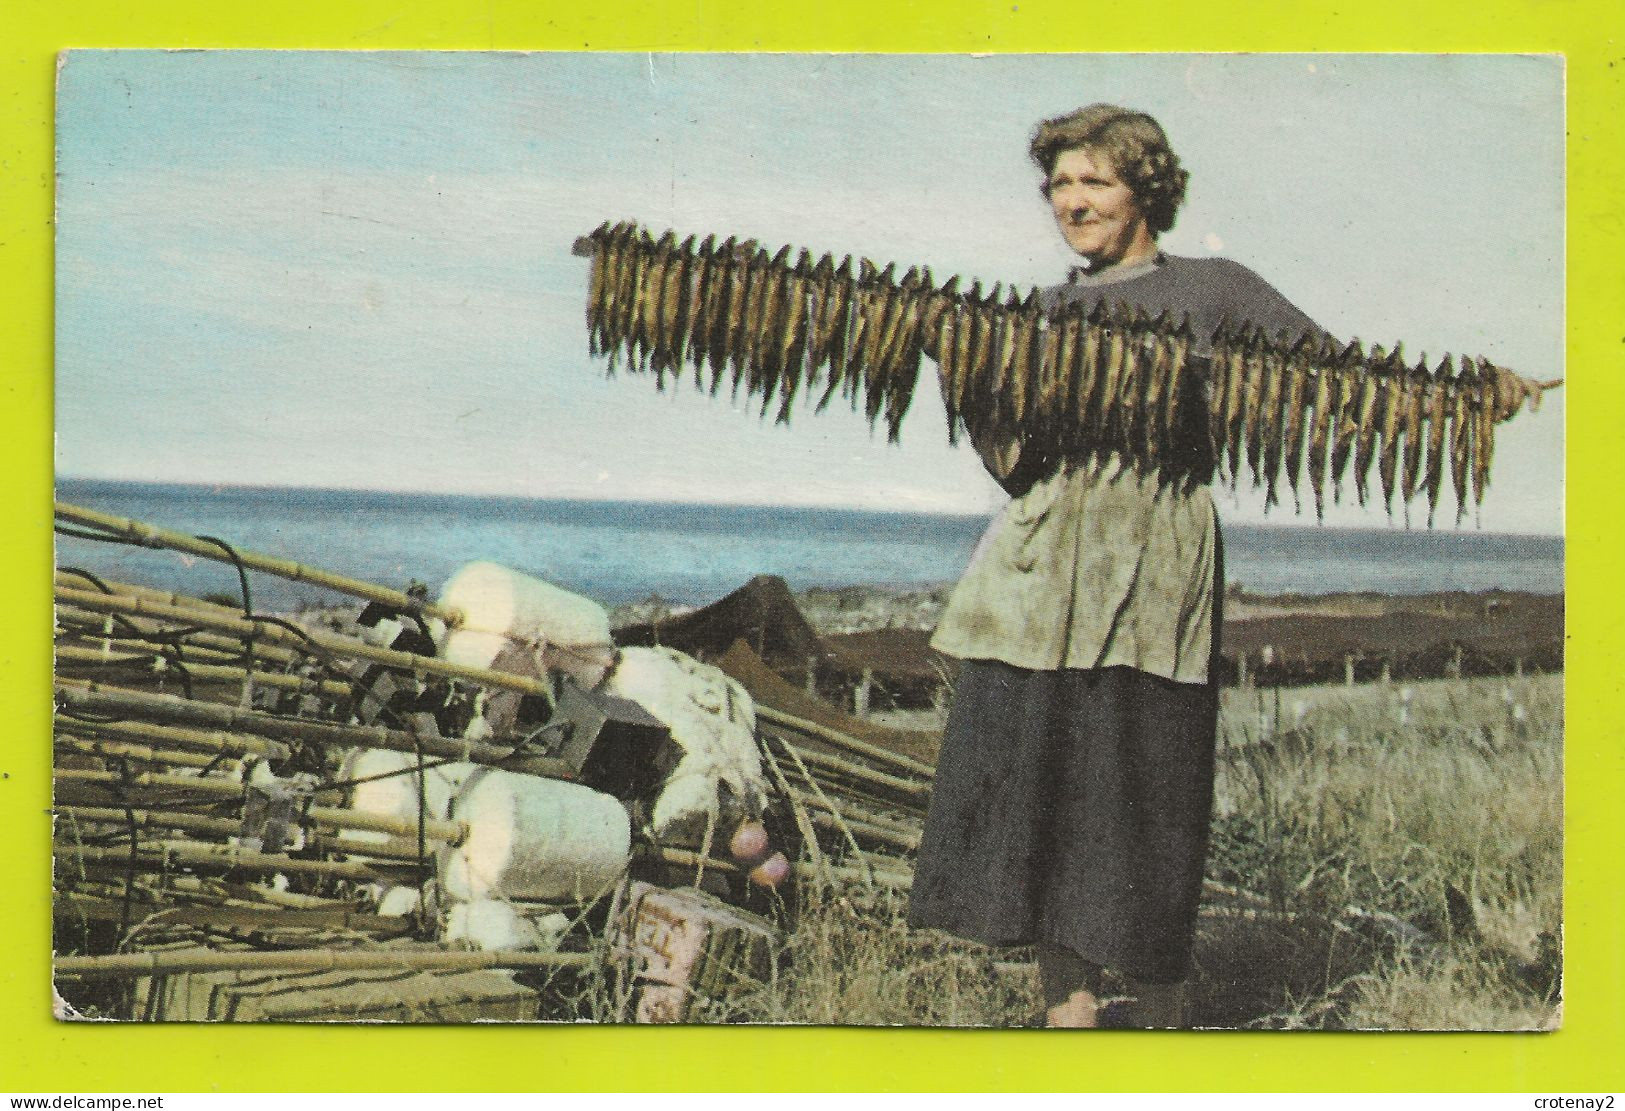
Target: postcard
[838,539]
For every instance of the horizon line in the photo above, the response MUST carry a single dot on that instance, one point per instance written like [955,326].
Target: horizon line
[1390,525]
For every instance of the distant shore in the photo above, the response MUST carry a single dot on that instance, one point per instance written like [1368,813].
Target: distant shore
[833,610]
[1290,639]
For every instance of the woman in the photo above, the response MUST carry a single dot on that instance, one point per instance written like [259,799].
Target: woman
[1072,795]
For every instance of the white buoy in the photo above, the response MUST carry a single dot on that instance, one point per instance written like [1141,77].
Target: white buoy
[711,718]
[533,838]
[567,632]
[496,924]
[473,648]
[396,794]
[398,902]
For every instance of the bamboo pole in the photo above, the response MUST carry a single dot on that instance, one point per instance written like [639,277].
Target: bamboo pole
[117,750]
[914,788]
[151,536]
[799,870]
[452,833]
[907,841]
[163,668]
[168,597]
[100,697]
[214,647]
[855,809]
[218,786]
[150,819]
[842,740]
[97,602]
[227,744]
[161,856]
[226,917]
[169,962]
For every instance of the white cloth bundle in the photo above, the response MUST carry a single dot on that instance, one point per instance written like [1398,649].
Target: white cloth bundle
[713,721]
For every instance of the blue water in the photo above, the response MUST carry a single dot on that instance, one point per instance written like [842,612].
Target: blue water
[619,551]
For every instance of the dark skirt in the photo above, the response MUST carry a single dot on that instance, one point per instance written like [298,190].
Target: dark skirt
[1072,807]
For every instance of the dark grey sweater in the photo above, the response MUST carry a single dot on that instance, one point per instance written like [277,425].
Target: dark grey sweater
[1211,290]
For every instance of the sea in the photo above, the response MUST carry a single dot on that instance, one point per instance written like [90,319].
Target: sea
[617,552]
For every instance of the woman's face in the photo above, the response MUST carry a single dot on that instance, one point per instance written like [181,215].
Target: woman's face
[1097,214]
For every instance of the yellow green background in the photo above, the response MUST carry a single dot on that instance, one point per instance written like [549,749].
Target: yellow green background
[39,1055]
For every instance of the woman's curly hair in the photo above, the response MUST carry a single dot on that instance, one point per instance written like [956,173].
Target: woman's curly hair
[1135,145]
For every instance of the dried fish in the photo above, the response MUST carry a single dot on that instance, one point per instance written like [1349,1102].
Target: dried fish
[1087,381]
[1116,352]
[595,286]
[1461,434]
[1484,407]
[691,345]
[1179,349]
[1393,405]
[1321,431]
[765,344]
[842,313]
[1367,419]
[1439,406]
[1271,418]
[1416,393]
[1023,327]
[669,322]
[820,318]
[881,302]
[902,360]
[1253,401]
[793,337]
[653,293]
[1154,349]
[1295,392]
[1345,421]
[1235,371]
[1051,335]
[1069,353]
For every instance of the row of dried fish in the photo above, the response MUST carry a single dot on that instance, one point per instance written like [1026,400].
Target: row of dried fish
[758,320]
[1087,381]
[1304,412]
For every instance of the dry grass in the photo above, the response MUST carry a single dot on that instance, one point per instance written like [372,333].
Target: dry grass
[851,960]
[1407,840]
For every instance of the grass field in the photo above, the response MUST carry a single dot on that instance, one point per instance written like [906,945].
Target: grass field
[1394,855]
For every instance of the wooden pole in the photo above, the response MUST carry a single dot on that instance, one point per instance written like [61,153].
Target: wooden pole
[842,740]
[800,871]
[218,786]
[69,903]
[168,962]
[849,809]
[434,829]
[906,841]
[97,602]
[118,750]
[205,646]
[101,698]
[161,856]
[64,578]
[913,788]
[154,664]
[151,536]
[169,736]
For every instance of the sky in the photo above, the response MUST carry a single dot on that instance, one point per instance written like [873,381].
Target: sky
[354,269]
